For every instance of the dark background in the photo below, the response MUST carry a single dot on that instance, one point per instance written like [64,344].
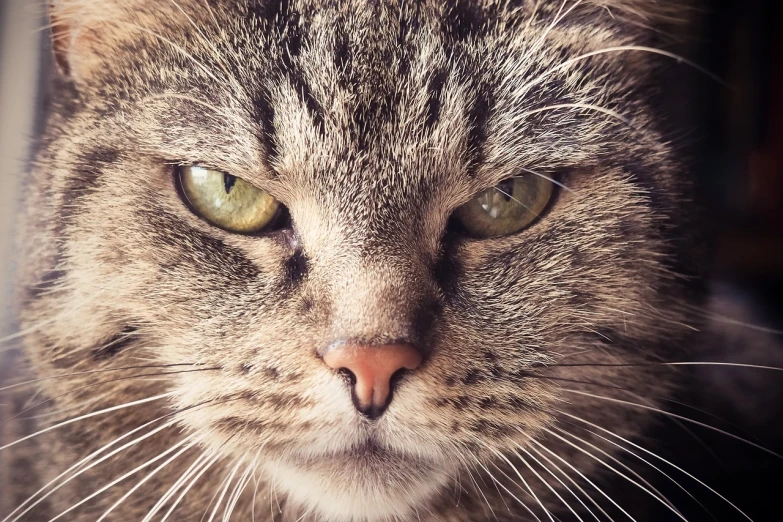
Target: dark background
[736,142]
[740,153]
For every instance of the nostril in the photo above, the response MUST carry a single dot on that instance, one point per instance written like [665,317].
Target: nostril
[396,377]
[348,375]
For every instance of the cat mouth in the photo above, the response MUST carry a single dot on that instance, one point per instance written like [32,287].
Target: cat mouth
[368,453]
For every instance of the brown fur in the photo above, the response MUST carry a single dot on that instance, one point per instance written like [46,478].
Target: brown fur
[371,122]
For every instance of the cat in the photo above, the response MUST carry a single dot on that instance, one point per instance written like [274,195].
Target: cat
[353,261]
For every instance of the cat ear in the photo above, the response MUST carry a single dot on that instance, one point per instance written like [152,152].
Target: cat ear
[81,33]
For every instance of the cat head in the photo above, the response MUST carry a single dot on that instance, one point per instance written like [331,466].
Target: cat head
[362,137]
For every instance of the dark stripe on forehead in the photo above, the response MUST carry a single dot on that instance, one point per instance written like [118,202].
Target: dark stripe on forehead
[434,99]
[302,89]
[265,115]
[478,116]
[463,19]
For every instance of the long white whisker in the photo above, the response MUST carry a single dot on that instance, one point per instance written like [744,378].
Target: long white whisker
[224,490]
[123,477]
[192,483]
[674,415]
[548,485]
[496,481]
[84,461]
[627,468]
[551,180]
[582,475]
[516,471]
[559,17]
[571,480]
[588,106]
[616,49]
[239,489]
[541,464]
[515,199]
[87,416]
[616,471]
[645,450]
[656,468]
[149,475]
[194,467]
[479,488]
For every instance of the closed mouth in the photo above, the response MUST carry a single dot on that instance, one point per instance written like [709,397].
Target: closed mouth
[367,453]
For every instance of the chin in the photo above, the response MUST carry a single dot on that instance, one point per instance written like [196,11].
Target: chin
[364,485]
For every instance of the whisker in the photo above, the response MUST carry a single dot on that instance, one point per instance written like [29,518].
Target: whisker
[101,383]
[516,471]
[686,419]
[650,464]
[198,463]
[87,416]
[238,489]
[27,331]
[551,180]
[618,49]
[571,480]
[549,486]
[682,363]
[559,17]
[616,471]
[140,483]
[623,466]
[565,486]
[84,461]
[224,489]
[123,477]
[192,483]
[496,481]
[588,106]
[515,199]
[648,452]
[87,372]
[90,457]
[582,475]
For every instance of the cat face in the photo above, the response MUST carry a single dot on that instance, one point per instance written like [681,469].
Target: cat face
[371,125]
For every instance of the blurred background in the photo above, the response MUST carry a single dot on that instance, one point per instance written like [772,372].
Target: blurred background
[734,133]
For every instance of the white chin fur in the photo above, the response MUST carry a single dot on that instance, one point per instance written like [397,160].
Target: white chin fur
[355,492]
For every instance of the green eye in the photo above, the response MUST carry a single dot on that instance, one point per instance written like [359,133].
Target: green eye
[226,201]
[506,208]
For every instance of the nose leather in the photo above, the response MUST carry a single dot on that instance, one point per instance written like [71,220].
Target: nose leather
[372,368]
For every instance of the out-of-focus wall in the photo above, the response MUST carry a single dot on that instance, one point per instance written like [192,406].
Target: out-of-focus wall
[20,51]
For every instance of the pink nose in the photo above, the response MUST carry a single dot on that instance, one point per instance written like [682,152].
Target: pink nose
[372,368]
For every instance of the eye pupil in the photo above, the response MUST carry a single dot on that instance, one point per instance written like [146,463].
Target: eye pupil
[228,182]
[505,188]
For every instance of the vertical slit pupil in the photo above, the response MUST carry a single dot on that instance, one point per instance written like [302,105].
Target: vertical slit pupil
[506,189]
[228,182]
